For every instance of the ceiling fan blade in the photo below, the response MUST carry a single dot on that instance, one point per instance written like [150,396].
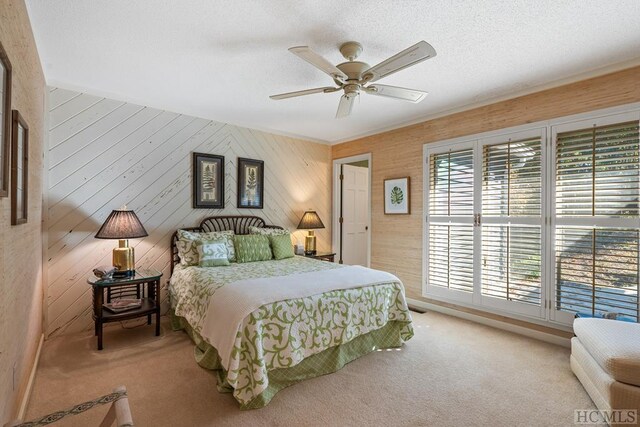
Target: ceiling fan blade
[304,92]
[413,55]
[396,92]
[345,106]
[318,61]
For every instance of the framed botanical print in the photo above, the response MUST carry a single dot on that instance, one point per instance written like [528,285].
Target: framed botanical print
[208,181]
[5,121]
[397,196]
[19,169]
[250,183]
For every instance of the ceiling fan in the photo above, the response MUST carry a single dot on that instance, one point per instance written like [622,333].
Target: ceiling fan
[353,76]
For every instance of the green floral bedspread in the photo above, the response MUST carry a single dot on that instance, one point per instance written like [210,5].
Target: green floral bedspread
[282,334]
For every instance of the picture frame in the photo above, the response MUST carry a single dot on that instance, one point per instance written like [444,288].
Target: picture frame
[397,196]
[250,183]
[19,169]
[5,121]
[208,181]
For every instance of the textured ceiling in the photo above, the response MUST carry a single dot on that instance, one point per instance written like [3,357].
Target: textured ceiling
[222,59]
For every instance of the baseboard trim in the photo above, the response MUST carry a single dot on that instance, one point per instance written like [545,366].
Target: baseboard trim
[32,375]
[542,336]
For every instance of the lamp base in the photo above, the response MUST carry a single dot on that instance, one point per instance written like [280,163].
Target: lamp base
[310,243]
[123,260]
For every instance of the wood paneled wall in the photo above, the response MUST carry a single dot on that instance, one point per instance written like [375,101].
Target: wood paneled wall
[21,245]
[105,153]
[397,239]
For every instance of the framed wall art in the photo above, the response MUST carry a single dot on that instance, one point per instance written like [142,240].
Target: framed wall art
[208,181]
[250,183]
[19,169]
[397,196]
[5,122]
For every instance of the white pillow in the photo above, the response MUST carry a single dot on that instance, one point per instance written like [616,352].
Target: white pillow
[187,244]
[212,253]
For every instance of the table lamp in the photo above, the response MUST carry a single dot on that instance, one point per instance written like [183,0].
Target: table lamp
[310,221]
[122,224]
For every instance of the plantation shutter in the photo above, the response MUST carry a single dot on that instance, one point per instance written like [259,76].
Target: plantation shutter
[598,219]
[512,220]
[450,229]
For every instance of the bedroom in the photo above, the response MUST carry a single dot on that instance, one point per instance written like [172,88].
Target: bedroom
[496,245]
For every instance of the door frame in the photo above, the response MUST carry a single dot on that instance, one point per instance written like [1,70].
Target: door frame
[335,222]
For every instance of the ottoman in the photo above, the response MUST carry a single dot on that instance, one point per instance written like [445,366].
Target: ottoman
[605,356]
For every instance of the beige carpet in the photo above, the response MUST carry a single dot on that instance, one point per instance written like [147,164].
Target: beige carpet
[452,373]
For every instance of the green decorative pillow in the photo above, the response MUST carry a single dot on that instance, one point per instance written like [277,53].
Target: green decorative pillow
[281,246]
[268,231]
[187,244]
[252,247]
[212,253]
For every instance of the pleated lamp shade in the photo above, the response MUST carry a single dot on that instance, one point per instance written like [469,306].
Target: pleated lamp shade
[121,224]
[310,221]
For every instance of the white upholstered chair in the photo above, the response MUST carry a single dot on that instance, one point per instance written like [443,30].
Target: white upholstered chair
[605,356]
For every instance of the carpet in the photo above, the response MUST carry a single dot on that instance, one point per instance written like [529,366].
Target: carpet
[452,373]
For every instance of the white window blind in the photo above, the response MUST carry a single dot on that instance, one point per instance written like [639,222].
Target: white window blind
[512,220]
[451,183]
[511,184]
[598,178]
[451,256]
[450,238]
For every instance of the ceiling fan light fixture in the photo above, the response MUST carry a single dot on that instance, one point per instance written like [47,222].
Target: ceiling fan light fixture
[352,76]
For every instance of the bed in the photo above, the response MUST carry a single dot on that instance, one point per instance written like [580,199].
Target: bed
[262,326]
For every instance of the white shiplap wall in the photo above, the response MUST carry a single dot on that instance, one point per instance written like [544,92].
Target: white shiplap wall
[105,153]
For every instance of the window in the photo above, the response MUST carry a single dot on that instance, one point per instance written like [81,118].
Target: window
[598,178]
[451,229]
[534,226]
[512,194]
[484,222]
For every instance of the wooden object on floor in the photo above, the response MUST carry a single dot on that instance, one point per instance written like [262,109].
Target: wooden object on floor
[144,285]
[119,412]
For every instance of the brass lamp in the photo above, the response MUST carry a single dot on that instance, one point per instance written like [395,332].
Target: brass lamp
[122,224]
[310,221]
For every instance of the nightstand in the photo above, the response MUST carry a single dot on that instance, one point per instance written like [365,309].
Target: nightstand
[323,256]
[144,285]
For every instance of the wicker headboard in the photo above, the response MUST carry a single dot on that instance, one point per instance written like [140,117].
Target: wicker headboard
[238,223]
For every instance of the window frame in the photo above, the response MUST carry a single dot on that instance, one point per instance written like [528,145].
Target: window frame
[451,294]
[611,115]
[559,316]
[510,305]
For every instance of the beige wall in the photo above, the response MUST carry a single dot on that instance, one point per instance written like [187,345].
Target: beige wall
[21,245]
[397,240]
[104,153]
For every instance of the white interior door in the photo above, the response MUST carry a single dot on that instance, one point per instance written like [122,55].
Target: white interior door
[355,215]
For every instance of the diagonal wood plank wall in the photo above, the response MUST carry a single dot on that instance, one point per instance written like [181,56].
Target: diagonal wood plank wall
[105,153]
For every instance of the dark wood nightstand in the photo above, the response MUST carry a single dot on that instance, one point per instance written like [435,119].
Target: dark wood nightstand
[323,256]
[144,285]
